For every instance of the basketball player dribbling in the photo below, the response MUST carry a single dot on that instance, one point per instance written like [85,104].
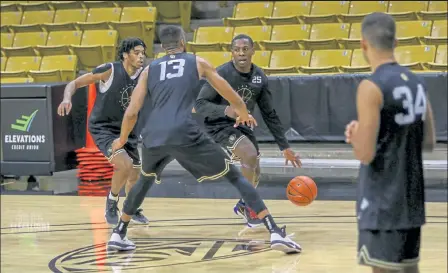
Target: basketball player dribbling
[116,82]
[395,123]
[170,132]
[252,85]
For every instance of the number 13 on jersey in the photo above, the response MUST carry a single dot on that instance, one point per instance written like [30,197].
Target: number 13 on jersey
[176,65]
[413,107]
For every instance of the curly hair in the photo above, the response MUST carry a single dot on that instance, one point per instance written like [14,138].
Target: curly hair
[128,44]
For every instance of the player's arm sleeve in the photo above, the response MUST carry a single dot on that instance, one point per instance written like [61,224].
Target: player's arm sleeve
[207,103]
[271,118]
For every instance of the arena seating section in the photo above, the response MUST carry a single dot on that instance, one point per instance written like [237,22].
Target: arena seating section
[45,41]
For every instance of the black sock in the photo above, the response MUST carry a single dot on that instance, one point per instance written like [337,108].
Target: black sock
[270,224]
[121,228]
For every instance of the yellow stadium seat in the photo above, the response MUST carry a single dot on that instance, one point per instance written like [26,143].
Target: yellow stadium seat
[257,33]
[60,5]
[327,61]
[406,10]
[7,80]
[414,57]
[99,18]
[287,12]
[137,22]
[66,19]
[326,35]
[25,42]
[261,58]
[18,67]
[11,18]
[3,59]
[33,19]
[97,47]
[286,37]
[359,9]
[58,43]
[11,6]
[354,39]
[99,4]
[174,12]
[325,12]
[249,13]
[408,32]
[437,10]
[35,5]
[287,61]
[211,38]
[438,34]
[357,64]
[125,4]
[440,62]
[7,39]
[215,58]
[60,68]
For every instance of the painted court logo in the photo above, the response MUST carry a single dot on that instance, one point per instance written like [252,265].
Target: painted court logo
[154,253]
[23,139]
[24,124]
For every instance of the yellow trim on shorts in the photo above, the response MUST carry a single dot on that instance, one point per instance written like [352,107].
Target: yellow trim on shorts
[219,175]
[158,181]
[233,147]
[119,151]
[364,258]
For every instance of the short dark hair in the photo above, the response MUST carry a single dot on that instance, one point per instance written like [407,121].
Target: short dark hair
[379,30]
[128,44]
[170,37]
[243,36]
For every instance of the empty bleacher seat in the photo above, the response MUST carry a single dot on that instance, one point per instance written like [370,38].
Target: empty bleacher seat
[211,38]
[286,37]
[18,67]
[60,68]
[99,4]
[61,5]
[215,58]
[99,18]
[11,18]
[287,61]
[438,34]
[440,61]
[408,32]
[326,35]
[249,13]
[3,62]
[288,12]
[25,42]
[257,33]
[97,47]
[261,58]
[7,39]
[325,12]
[437,10]
[406,10]
[357,64]
[137,22]
[58,42]
[327,61]
[359,9]
[414,57]
[33,19]
[66,19]
[6,80]
[126,4]
[174,12]
[354,39]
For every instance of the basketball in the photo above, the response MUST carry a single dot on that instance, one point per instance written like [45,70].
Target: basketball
[301,190]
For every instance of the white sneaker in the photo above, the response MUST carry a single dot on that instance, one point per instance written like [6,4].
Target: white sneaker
[281,242]
[116,242]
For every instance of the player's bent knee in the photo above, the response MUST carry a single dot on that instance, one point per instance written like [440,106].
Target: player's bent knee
[122,163]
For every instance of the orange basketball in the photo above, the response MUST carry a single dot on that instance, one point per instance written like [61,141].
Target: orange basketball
[301,190]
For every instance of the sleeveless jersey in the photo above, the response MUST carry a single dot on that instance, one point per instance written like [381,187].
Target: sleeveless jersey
[391,188]
[112,99]
[172,86]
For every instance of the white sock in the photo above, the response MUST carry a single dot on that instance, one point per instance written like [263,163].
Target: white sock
[113,197]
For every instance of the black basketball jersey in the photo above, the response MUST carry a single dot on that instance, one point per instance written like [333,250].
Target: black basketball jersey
[391,188]
[112,99]
[172,83]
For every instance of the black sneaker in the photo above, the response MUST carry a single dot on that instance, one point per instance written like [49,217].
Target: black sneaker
[139,218]
[112,212]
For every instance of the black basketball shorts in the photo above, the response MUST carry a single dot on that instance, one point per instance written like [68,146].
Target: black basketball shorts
[103,140]
[229,137]
[205,160]
[389,249]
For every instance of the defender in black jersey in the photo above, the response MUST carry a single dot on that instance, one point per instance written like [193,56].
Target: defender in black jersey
[252,85]
[395,123]
[170,132]
[116,82]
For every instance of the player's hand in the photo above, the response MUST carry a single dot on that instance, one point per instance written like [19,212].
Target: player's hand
[248,121]
[118,144]
[293,157]
[65,107]
[353,125]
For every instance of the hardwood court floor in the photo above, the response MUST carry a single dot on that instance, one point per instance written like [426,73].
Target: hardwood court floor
[68,234]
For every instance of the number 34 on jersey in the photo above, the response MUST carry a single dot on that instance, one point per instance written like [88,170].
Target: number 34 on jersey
[414,107]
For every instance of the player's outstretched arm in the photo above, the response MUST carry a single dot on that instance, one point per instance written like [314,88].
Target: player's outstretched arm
[100,73]
[225,90]
[429,138]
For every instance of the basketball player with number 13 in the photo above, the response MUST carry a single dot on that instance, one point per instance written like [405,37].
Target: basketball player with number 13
[395,123]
